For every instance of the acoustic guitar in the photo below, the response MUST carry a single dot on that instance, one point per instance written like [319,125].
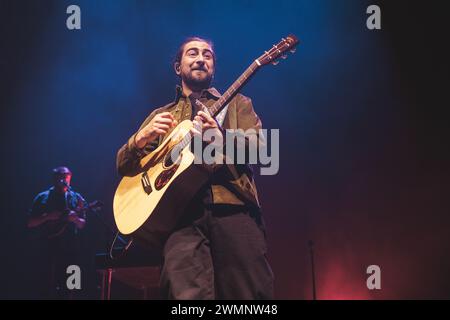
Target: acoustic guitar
[54,228]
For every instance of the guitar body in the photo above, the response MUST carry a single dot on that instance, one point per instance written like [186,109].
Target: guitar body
[149,204]
[54,228]
[57,228]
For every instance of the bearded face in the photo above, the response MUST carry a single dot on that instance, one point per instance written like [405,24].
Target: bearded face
[196,67]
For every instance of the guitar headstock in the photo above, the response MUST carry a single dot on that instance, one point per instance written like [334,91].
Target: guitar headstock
[287,44]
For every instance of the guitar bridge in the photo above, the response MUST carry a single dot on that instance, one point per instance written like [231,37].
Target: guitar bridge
[146,185]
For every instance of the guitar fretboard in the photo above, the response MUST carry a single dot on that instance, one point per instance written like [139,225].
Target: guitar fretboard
[233,89]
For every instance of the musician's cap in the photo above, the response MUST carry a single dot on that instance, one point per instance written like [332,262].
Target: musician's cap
[60,171]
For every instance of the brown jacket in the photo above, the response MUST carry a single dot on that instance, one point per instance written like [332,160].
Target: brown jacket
[230,183]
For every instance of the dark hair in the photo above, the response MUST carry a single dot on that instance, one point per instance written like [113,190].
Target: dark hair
[187,40]
[59,171]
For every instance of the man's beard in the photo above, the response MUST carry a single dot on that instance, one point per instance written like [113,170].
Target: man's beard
[196,84]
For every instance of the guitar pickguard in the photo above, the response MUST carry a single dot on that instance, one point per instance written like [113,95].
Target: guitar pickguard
[164,177]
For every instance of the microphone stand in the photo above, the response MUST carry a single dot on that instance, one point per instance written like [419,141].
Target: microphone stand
[311,253]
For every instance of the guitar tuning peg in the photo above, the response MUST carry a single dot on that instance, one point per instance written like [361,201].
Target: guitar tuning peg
[292,50]
[283,56]
[275,62]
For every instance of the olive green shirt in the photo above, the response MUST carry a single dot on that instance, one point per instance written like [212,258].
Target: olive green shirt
[230,183]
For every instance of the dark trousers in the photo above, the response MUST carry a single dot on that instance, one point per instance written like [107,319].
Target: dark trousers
[219,255]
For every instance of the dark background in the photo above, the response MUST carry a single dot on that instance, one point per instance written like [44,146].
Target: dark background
[364,148]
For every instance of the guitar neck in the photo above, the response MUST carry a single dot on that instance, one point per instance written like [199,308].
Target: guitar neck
[91,206]
[233,89]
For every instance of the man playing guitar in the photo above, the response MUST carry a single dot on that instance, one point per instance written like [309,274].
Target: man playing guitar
[218,248]
[57,215]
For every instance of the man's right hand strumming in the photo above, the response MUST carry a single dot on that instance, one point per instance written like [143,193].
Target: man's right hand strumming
[159,125]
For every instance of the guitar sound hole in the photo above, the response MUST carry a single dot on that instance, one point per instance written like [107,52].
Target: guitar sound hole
[168,162]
